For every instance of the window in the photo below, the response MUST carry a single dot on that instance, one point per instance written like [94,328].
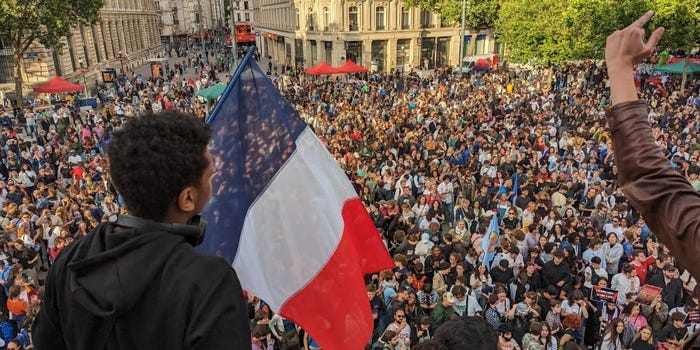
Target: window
[426,19]
[310,20]
[405,18]
[481,44]
[326,18]
[247,17]
[238,17]
[297,18]
[380,23]
[353,19]
[245,5]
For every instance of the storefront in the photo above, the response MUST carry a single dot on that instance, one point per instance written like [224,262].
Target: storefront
[299,52]
[443,51]
[353,51]
[427,53]
[403,58]
[378,63]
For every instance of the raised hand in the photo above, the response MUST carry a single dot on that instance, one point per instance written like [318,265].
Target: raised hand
[626,47]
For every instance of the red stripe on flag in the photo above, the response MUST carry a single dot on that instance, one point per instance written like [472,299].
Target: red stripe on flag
[333,307]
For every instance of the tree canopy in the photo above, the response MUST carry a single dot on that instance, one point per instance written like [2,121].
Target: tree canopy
[554,31]
[23,22]
[480,14]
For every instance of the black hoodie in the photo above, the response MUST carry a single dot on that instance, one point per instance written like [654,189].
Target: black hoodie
[128,289]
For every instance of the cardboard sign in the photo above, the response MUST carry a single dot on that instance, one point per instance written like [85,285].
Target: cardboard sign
[605,295]
[647,294]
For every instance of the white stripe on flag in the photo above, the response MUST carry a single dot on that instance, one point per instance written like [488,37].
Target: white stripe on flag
[293,228]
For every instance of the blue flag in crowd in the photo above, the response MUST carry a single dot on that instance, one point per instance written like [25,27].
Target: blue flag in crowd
[491,240]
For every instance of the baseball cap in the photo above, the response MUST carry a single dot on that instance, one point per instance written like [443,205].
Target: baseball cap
[448,297]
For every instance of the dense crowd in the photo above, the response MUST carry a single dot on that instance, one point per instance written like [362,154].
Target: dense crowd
[435,158]
[54,182]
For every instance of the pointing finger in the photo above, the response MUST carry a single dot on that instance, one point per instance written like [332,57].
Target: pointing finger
[642,20]
[654,39]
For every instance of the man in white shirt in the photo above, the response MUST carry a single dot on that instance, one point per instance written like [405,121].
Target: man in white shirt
[625,282]
[596,249]
[446,191]
[614,226]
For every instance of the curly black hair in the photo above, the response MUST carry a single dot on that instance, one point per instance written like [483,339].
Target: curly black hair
[154,157]
[465,333]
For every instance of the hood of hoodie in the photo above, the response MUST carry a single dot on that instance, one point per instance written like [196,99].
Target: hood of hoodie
[110,269]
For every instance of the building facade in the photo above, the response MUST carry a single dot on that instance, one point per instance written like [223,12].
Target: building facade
[244,12]
[183,18]
[382,35]
[127,35]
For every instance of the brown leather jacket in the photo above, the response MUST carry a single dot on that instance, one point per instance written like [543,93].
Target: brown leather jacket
[666,200]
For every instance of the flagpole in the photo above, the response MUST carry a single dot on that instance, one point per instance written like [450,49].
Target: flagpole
[234,79]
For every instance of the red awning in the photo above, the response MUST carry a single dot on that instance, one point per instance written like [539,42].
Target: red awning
[270,35]
[322,68]
[245,38]
[57,85]
[351,67]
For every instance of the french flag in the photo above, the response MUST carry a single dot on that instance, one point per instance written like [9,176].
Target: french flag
[286,216]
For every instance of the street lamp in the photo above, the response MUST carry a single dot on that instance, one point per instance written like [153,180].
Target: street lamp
[461,37]
[121,58]
[234,43]
[82,70]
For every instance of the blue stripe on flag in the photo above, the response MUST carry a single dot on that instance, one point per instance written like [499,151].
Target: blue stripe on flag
[253,134]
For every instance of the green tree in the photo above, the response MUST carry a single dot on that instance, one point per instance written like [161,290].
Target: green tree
[480,14]
[534,30]
[681,19]
[589,22]
[23,22]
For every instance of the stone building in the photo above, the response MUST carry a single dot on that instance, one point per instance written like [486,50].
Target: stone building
[127,35]
[382,35]
[181,19]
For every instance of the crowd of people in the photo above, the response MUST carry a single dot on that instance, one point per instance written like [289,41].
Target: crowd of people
[435,158]
[54,173]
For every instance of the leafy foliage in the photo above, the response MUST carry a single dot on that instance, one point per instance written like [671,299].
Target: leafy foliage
[23,21]
[681,19]
[480,14]
[554,31]
[534,30]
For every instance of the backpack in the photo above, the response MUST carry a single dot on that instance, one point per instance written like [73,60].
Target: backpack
[23,338]
[8,330]
[594,277]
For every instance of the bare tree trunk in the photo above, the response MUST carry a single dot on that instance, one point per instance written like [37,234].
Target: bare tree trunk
[17,63]
[684,79]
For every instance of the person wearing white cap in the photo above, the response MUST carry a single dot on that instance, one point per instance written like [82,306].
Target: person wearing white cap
[443,310]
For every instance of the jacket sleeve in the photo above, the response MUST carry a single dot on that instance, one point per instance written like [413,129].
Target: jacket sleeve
[669,204]
[220,318]
[47,333]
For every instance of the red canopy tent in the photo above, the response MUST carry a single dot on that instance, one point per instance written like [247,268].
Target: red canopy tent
[351,67]
[57,85]
[322,68]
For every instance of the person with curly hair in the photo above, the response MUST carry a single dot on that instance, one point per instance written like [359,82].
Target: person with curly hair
[139,280]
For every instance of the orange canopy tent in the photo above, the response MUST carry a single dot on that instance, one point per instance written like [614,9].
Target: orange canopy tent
[351,67]
[58,85]
[322,68]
